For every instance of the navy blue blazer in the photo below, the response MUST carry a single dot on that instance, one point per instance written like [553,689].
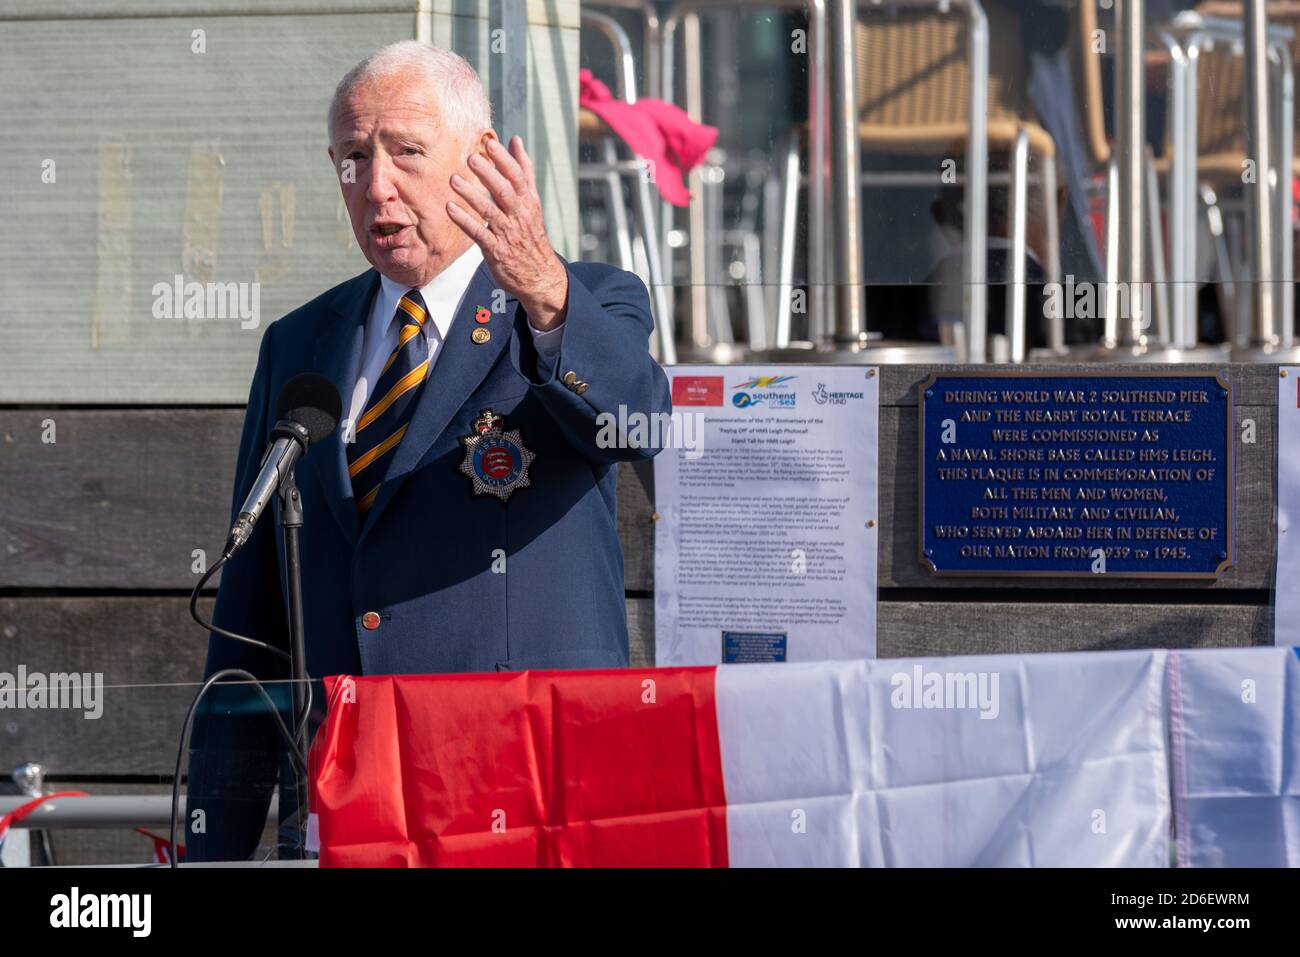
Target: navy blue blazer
[460,582]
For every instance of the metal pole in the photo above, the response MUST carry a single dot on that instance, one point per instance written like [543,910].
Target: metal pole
[651,41]
[1255,27]
[1189,201]
[1157,256]
[755,302]
[785,270]
[1223,263]
[698,294]
[850,324]
[617,213]
[1056,326]
[1130,137]
[650,27]
[976,192]
[1286,236]
[665,325]
[1182,310]
[509,75]
[1015,323]
[1110,333]
[818,71]
[719,320]
[291,521]
[106,811]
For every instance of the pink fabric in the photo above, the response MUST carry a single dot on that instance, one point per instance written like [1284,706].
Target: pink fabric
[654,130]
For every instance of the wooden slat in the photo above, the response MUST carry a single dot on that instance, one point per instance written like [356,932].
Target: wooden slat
[937,628]
[151,655]
[636,527]
[922,629]
[120,499]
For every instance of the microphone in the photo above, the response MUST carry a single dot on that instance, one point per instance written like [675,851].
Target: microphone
[308,410]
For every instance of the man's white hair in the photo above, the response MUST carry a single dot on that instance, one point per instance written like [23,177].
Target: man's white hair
[455,84]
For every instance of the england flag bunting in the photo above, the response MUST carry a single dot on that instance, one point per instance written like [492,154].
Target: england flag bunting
[1033,760]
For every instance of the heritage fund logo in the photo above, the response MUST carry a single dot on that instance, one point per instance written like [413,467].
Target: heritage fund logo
[58,690]
[946,690]
[75,909]
[823,397]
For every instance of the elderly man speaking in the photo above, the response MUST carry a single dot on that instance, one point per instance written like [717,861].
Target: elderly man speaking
[462,518]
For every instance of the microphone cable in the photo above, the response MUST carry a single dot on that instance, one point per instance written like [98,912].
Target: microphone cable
[299,758]
[209,626]
[297,755]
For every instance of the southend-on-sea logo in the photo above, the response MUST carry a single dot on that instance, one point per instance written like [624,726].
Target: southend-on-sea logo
[762,392]
[822,397]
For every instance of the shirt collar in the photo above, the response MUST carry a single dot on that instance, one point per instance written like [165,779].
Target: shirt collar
[442,294]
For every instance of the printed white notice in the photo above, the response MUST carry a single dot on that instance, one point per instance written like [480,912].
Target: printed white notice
[1286,610]
[765,545]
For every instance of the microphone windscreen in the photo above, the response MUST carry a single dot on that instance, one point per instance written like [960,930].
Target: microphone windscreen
[312,401]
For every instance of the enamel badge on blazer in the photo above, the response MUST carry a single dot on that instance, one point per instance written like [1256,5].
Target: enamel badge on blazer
[496,461]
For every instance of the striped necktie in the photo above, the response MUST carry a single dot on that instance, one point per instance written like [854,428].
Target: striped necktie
[388,411]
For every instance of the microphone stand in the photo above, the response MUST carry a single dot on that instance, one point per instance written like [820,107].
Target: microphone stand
[291,522]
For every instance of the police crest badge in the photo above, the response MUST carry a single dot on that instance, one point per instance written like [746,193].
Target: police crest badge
[496,461]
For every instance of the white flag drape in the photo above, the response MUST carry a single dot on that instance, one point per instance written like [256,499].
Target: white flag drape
[1013,760]
[1233,720]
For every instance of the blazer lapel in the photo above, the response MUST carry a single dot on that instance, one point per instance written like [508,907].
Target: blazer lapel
[461,365]
[337,356]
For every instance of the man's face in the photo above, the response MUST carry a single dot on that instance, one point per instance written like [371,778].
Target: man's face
[391,129]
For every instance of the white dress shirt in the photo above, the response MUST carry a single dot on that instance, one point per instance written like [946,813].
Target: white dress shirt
[442,298]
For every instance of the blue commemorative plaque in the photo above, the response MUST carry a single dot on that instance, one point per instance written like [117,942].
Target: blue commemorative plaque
[1076,474]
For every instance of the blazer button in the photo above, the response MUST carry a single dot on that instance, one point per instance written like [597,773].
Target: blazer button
[580,388]
[570,377]
[370,620]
